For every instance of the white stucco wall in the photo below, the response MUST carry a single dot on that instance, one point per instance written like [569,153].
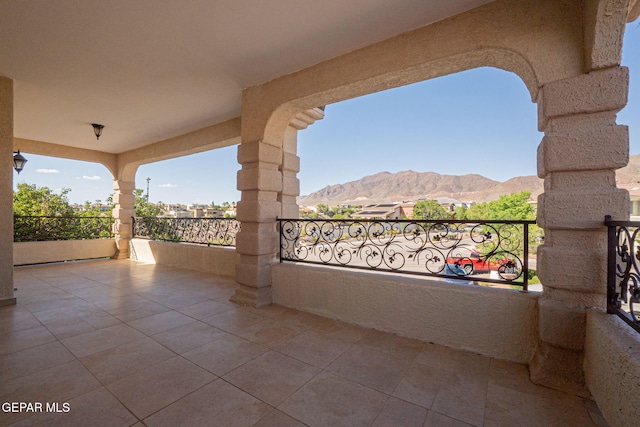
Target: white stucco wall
[61,250]
[213,259]
[494,322]
[612,367]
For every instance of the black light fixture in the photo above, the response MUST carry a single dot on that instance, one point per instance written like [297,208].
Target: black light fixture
[97,129]
[18,161]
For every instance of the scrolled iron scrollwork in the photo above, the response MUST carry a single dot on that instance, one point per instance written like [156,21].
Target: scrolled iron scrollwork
[480,250]
[204,231]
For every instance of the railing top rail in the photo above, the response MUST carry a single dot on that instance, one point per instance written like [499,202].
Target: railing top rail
[430,221]
[620,223]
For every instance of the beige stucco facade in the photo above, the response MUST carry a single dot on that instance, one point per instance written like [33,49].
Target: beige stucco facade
[567,53]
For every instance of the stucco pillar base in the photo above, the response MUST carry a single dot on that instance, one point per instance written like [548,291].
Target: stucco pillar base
[253,297]
[7,301]
[560,324]
[559,369]
[123,250]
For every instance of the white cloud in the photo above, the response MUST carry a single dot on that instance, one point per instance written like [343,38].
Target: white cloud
[167,185]
[47,171]
[91,178]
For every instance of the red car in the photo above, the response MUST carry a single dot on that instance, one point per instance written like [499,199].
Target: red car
[475,263]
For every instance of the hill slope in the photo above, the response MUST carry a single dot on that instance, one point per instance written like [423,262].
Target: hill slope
[410,185]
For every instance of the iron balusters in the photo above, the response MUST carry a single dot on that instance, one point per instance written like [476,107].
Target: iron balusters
[204,231]
[489,251]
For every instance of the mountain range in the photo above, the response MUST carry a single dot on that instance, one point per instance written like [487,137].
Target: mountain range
[386,187]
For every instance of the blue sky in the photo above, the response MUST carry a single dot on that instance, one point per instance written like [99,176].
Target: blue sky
[480,121]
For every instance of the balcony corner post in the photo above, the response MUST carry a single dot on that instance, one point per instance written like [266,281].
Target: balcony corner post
[123,213]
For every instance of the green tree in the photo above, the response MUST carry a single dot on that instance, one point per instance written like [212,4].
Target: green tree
[512,206]
[322,208]
[429,209]
[95,209]
[144,208]
[461,212]
[477,211]
[31,200]
[31,203]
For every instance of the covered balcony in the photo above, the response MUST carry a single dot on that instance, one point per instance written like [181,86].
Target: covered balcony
[167,333]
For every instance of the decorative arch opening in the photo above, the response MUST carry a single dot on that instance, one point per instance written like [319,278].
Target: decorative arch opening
[373,157]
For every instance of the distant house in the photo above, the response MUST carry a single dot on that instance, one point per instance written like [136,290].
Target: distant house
[385,211]
[448,203]
[178,213]
[230,212]
[634,205]
[207,213]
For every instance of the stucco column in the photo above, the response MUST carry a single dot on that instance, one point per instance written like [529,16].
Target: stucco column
[260,181]
[122,216]
[578,156]
[290,167]
[291,162]
[6,192]
[269,184]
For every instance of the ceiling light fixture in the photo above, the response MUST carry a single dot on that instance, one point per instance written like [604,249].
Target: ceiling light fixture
[97,129]
[18,161]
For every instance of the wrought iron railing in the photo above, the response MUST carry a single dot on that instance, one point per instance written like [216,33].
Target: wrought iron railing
[204,231]
[623,275]
[41,228]
[487,251]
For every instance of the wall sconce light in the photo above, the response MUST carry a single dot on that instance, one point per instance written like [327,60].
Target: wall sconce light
[18,161]
[97,129]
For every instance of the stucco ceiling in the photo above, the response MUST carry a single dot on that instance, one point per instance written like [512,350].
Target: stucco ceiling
[152,69]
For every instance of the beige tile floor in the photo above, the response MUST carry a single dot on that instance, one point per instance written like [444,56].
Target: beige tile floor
[123,343]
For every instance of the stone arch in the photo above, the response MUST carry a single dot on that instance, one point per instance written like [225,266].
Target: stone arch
[217,136]
[506,60]
[539,44]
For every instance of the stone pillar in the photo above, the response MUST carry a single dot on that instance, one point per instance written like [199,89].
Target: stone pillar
[6,192]
[290,167]
[269,188]
[122,216]
[260,181]
[577,158]
[291,162]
